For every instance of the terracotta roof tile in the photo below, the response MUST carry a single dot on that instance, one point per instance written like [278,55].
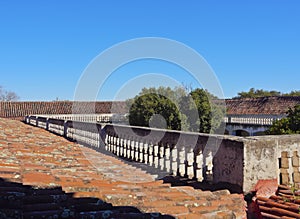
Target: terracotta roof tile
[264,105]
[20,109]
[281,202]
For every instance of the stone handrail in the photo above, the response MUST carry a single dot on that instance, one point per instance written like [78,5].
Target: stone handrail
[205,157]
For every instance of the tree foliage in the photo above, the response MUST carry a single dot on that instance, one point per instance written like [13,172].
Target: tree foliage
[288,125]
[205,115]
[8,95]
[293,93]
[146,109]
[156,107]
[253,93]
[257,93]
[194,111]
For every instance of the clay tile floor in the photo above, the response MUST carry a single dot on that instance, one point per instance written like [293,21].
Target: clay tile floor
[45,176]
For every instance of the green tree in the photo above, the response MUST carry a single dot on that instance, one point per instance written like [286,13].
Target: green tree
[195,111]
[210,113]
[293,93]
[252,93]
[288,125]
[155,110]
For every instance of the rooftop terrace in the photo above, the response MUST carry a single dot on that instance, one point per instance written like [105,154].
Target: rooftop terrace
[42,174]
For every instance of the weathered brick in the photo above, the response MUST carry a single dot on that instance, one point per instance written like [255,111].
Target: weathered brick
[284,154]
[285,178]
[295,161]
[284,171]
[296,176]
[285,162]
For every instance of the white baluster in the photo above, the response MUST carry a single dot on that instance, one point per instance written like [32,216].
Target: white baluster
[155,155]
[174,160]
[161,156]
[182,161]
[136,150]
[141,151]
[146,155]
[190,162]
[167,158]
[199,165]
[150,146]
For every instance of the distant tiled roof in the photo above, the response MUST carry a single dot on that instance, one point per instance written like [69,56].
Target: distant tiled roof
[21,109]
[263,105]
[245,106]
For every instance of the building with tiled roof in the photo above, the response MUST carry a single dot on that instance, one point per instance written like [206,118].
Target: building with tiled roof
[253,116]
[262,105]
[247,116]
[18,110]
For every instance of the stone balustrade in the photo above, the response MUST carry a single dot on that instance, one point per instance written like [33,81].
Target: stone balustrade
[100,118]
[205,157]
[250,125]
[264,120]
[187,154]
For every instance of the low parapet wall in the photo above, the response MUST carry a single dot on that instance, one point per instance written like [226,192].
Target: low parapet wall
[213,158]
[272,157]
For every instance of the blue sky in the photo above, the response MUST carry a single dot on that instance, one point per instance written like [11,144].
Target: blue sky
[46,45]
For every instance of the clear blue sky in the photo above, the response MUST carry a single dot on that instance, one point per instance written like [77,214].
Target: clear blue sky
[46,45]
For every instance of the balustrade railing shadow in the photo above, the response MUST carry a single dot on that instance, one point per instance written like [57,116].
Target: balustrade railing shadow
[25,201]
[156,173]
[204,185]
[170,178]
